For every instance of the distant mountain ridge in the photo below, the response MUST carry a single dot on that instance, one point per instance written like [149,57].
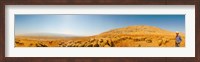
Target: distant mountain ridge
[129,30]
[48,34]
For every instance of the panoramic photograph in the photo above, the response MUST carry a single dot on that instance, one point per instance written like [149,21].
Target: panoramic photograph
[98,30]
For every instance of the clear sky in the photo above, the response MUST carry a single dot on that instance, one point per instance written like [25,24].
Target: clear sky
[86,25]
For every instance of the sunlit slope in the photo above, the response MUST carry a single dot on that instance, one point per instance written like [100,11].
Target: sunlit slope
[142,36]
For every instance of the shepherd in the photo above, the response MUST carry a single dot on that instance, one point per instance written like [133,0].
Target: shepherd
[178,39]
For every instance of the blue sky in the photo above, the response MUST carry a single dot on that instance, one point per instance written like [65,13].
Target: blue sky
[86,25]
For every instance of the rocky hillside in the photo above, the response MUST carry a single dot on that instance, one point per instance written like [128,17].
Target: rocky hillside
[139,30]
[141,36]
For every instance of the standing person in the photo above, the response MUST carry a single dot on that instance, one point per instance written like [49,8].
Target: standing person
[178,39]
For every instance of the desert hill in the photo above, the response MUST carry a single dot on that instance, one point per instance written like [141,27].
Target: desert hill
[131,36]
[141,35]
[139,30]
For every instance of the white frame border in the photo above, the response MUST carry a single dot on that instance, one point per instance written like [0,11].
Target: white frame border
[187,51]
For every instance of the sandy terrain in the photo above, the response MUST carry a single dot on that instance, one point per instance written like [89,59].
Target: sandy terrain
[131,36]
